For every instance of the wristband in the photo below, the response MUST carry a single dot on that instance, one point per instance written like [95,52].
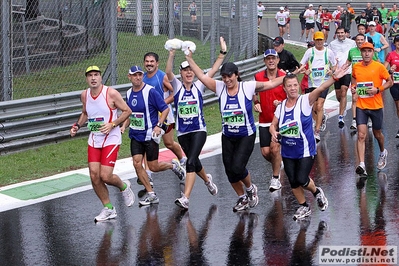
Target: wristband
[76,125]
[113,124]
[159,125]
[256,102]
[390,72]
[223,52]
[336,79]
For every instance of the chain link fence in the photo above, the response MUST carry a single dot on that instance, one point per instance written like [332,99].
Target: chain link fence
[47,44]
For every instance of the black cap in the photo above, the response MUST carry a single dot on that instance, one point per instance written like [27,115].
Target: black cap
[228,69]
[278,40]
[396,39]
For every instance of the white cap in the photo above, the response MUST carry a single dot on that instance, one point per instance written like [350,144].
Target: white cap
[310,5]
[281,8]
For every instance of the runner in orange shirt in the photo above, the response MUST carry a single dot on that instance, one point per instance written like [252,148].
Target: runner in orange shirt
[367,83]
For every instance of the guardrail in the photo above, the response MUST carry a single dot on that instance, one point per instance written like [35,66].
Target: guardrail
[32,122]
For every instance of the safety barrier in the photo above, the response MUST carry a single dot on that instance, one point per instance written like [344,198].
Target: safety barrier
[31,122]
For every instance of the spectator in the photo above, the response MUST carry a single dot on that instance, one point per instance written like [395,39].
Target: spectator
[193,11]
[287,61]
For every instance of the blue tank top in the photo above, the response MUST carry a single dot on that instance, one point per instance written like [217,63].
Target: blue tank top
[296,130]
[145,105]
[236,111]
[189,104]
[378,44]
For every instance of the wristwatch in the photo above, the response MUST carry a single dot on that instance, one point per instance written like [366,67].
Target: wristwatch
[159,125]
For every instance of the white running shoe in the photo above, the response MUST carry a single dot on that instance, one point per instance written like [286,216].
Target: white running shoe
[322,201]
[212,188]
[252,194]
[302,212]
[275,184]
[128,195]
[382,160]
[182,202]
[179,170]
[105,215]
[353,125]
[149,199]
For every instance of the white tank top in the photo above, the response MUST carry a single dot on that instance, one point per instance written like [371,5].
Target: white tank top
[98,113]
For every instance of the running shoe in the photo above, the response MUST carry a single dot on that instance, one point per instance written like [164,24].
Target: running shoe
[242,204]
[382,161]
[179,171]
[149,199]
[183,162]
[317,137]
[275,184]
[128,195]
[105,214]
[322,201]
[353,125]
[324,122]
[182,202]
[397,135]
[252,194]
[341,122]
[149,173]
[288,36]
[369,124]
[302,212]
[212,188]
[360,170]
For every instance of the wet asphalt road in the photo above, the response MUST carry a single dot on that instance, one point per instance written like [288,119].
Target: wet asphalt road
[62,231]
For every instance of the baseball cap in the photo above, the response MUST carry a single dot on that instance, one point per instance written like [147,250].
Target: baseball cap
[363,11]
[310,5]
[270,52]
[281,8]
[372,23]
[183,65]
[277,41]
[318,35]
[367,45]
[135,69]
[311,44]
[92,68]
[228,69]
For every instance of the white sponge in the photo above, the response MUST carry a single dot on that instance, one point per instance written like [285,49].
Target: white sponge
[186,45]
[157,138]
[173,44]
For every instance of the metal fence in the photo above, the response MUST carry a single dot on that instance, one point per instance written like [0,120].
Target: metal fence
[31,122]
[47,44]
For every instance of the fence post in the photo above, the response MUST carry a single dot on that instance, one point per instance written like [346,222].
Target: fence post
[6,69]
[113,42]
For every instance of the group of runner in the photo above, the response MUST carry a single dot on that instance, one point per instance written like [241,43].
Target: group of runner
[365,71]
